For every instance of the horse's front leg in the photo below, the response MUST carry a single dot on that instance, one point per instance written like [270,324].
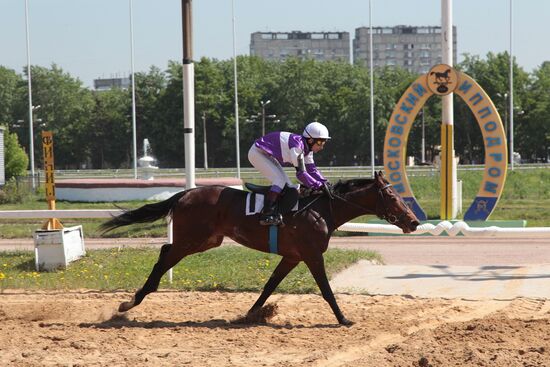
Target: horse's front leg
[281,271]
[317,268]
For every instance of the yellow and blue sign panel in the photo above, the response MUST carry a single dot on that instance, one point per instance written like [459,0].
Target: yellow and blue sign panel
[441,80]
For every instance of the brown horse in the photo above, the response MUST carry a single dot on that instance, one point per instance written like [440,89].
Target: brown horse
[203,216]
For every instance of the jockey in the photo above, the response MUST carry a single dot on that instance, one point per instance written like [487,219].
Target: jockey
[270,152]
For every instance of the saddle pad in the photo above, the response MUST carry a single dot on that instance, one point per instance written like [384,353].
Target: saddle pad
[255,204]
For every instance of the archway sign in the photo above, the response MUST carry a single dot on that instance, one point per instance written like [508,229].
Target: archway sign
[441,80]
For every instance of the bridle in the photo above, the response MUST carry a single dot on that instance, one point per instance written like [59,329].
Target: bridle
[380,202]
[389,217]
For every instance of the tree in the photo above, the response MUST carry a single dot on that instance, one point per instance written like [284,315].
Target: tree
[9,81]
[109,129]
[66,110]
[533,130]
[16,160]
[493,76]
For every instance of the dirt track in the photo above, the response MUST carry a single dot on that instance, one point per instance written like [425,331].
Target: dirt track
[195,329]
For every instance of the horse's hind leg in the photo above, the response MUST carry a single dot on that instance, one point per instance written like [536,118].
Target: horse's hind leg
[164,263]
[170,255]
[281,271]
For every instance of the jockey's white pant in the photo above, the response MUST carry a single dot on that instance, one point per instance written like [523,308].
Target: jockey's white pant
[269,167]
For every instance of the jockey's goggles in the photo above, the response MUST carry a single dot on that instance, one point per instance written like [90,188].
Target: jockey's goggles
[320,142]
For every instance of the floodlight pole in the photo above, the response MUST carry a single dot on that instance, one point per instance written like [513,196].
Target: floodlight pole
[511,94]
[29,86]
[372,162]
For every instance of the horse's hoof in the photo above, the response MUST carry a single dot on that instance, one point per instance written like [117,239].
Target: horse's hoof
[346,322]
[125,306]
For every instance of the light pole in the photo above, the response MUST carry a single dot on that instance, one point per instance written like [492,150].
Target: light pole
[204,134]
[371,93]
[511,93]
[505,96]
[263,104]
[31,137]
[29,87]
[263,116]
[423,153]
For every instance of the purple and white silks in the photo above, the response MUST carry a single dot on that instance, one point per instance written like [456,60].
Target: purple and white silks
[285,148]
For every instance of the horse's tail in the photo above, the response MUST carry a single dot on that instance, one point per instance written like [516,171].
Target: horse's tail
[147,213]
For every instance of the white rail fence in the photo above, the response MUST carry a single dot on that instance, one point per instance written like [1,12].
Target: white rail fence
[444,227]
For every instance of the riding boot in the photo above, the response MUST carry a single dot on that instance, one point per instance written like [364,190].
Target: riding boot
[270,215]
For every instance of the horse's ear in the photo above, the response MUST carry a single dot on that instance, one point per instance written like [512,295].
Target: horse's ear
[381,174]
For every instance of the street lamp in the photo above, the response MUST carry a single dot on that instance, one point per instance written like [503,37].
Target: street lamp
[519,113]
[31,136]
[423,152]
[204,134]
[263,116]
[505,96]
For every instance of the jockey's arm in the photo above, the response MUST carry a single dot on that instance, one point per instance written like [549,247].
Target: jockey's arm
[303,174]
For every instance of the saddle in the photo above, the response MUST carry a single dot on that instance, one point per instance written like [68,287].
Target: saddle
[287,201]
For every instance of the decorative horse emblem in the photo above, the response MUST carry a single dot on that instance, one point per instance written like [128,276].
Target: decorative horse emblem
[442,79]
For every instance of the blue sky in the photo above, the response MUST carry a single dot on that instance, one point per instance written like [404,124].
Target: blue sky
[91,38]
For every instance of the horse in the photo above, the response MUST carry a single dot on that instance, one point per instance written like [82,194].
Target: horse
[442,77]
[203,216]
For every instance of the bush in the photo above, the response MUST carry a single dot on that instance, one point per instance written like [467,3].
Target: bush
[16,159]
[12,193]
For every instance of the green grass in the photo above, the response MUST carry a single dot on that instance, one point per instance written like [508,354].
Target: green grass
[229,268]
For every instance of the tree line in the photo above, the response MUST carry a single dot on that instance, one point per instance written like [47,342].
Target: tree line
[93,129]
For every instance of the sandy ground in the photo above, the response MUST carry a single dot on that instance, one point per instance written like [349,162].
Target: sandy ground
[197,329]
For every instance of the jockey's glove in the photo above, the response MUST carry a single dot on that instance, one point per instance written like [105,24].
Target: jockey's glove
[327,189]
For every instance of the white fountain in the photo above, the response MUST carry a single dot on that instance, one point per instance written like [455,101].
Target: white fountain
[146,162]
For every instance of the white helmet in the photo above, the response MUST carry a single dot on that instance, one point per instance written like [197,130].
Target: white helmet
[316,130]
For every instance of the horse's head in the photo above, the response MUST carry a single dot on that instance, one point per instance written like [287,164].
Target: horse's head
[391,207]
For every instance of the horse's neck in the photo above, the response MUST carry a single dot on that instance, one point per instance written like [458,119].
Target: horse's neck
[356,204]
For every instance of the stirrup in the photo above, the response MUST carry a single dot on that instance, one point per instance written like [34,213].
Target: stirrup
[271,220]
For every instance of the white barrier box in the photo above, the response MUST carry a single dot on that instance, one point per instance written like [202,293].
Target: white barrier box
[57,248]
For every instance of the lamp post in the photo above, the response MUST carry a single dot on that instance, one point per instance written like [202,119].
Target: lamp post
[511,92]
[29,87]
[263,116]
[263,104]
[505,96]
[204,134]
[423,153]
[31,137]
[519,113]
[372,93]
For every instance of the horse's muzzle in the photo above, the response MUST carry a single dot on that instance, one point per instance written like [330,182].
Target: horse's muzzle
[410,226]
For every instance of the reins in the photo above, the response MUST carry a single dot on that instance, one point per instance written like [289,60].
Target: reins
[390,218]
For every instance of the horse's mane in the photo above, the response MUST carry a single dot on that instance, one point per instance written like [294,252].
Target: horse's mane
[346,186]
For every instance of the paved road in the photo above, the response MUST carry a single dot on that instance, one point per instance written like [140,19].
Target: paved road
[422,250]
